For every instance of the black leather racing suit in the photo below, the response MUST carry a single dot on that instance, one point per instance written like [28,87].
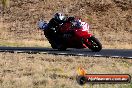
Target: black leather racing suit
[52,32]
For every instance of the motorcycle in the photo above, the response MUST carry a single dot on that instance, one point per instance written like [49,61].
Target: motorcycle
[79,36]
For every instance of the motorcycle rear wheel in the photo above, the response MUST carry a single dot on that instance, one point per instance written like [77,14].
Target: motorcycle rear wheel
[94,45]
[61,48]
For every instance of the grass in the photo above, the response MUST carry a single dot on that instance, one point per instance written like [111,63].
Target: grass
[25,43]
[110,20]
[49,71]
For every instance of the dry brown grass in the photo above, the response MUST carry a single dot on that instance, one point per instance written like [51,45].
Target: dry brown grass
[110,20]
[49,71]
[24,43]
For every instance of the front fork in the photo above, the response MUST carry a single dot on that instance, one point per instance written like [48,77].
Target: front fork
[85,42]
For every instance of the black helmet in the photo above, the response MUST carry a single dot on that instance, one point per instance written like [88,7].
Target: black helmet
[59,16]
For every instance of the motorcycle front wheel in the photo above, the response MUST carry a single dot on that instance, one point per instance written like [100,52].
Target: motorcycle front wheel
[94,44]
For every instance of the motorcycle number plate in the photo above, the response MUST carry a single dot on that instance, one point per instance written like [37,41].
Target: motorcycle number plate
[85,26]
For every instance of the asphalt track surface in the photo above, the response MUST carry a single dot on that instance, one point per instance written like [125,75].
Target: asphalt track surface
[115,53]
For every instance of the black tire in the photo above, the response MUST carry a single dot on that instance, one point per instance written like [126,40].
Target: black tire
[62,48]
[95,46]
[53,45]
[81,80]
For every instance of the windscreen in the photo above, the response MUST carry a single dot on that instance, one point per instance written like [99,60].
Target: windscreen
[76,24]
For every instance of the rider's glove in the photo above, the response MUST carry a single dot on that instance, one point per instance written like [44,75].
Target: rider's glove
[42,25]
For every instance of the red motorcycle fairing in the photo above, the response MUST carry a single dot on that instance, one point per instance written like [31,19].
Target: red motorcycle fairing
[79,36]
[82,34]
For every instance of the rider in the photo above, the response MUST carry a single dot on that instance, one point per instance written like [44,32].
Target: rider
[53,27]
